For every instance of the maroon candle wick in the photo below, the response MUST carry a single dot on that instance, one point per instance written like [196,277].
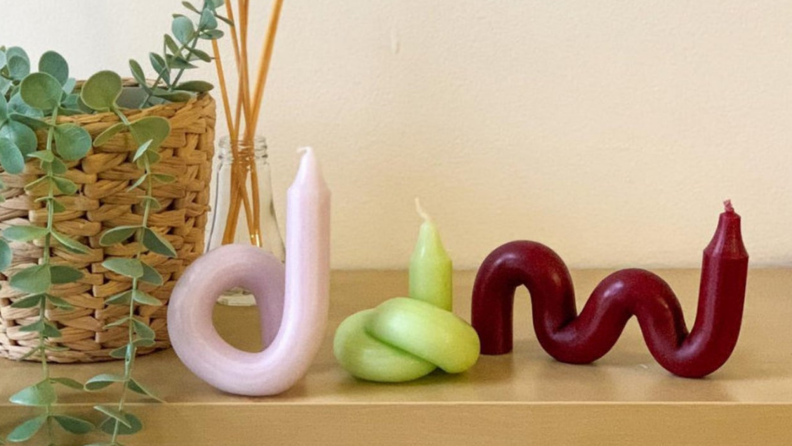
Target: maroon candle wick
[584,338]
[728,205]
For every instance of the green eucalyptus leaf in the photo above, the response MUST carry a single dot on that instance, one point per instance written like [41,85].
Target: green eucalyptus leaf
[212,34]
[2,59]
[3,109]
[72,141]
[139,388]
[21,135]
[65,185]
[55,65]
[144,298]
[31,352]
[150,275]
[101,90]
[207,20]
[57,206]
[58,167]
[160,67]
[68,382]
[27,430]
[16,51]
[46,156]
[41,90]
[190,6]
[24,233]
[151,202]
[134,423]
[5,86]
[18,68]
[39,394]
[117,235]
[163,178]
[153,128]
[117,323]
[113,413]
[111,131]
[51,331]
[59,302]
[172,46]
[73,424]
[182,29]
[195,86]
[99,382]
[227,21]
[143,343]
[137,73]
[143,330]
[81,105]
[29,121]
[216,3]
[142,149]
[64,274]
[18,106]
[157,243]
[34,280]
[65,111]
[70,243]
[11,157]
[179,63]
[119,299]
[152,157]
[137,182]
[33,184]
[126,267]
[121,352]
[34,300]
[68,87]
[6,255]
[35,327]
[173,96]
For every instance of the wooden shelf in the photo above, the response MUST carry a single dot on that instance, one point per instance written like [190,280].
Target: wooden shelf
[521,398]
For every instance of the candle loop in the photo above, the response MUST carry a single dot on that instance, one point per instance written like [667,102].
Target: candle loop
[584,338]
[404,339]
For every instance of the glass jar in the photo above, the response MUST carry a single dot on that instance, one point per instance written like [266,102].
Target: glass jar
[247,176]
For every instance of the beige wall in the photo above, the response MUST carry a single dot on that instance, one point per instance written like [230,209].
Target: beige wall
[609,130]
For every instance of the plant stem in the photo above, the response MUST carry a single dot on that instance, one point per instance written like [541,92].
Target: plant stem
[45,261]
[131,351]
[192,44]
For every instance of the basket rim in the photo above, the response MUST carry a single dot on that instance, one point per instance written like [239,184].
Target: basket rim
[128,82]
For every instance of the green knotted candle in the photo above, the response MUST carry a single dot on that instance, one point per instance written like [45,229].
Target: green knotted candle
[430,266]
[407,338]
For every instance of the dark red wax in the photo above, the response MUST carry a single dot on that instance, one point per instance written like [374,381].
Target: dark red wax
[584,338]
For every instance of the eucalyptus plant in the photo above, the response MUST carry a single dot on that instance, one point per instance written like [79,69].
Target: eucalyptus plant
[100,93]
[36,101]
[179,52]
[31,102]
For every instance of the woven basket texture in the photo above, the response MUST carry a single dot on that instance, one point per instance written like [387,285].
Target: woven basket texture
[103,202]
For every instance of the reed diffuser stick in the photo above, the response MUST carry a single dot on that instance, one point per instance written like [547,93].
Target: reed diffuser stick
[242,122]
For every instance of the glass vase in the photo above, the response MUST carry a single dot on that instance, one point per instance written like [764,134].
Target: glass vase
[243,210]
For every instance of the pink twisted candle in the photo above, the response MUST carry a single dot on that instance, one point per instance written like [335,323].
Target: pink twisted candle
[293,310]
[585,338]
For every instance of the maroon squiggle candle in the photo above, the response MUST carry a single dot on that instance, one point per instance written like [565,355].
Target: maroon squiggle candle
[582,339]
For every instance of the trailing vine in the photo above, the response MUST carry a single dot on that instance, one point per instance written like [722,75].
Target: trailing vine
[37,100]
[101,93]
[178,54]
[31,102]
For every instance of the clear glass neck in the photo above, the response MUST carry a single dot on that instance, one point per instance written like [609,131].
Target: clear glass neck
[242,149]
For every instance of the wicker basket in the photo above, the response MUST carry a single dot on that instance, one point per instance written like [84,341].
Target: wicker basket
[102,202]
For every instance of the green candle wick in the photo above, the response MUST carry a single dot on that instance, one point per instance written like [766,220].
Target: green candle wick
[421,210]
